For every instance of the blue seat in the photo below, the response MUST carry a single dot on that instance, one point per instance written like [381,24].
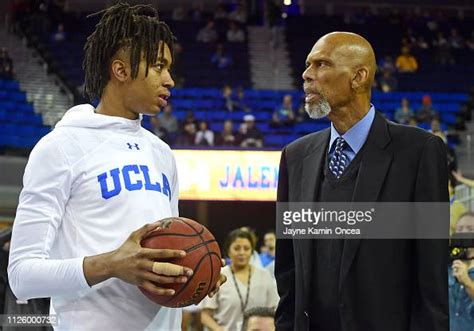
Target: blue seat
[306,127]
[218,115]
[448,118]
[274,140]
[18,97]
[25,107]
[216,127]
[262,126]
[8,106]
[11,85]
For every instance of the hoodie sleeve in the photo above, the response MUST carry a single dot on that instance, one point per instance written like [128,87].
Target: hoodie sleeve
[46,188]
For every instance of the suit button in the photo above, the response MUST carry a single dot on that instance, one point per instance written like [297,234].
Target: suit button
[306,313]
[341,306]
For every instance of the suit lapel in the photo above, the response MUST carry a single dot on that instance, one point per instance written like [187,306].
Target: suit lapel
[313,164]
[374,166]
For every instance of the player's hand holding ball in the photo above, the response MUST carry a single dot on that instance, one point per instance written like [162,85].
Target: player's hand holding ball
[136,265]
[159,258]
[203,256]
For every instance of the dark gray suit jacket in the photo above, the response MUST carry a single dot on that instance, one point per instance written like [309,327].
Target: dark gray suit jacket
[385,285]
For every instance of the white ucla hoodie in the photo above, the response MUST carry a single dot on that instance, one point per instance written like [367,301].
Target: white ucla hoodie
[87,185]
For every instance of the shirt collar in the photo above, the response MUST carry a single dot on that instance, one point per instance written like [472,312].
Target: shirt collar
[357,134]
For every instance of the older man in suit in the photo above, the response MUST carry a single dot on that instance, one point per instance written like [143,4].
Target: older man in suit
[359,285]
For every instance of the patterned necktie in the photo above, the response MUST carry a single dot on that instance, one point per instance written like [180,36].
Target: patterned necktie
[339,161]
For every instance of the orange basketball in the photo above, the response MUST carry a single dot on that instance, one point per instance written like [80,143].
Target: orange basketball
[203,256]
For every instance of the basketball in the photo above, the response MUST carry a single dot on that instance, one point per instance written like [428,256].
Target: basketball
[203,256]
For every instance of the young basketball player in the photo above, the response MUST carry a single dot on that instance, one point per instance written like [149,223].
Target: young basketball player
[96,179]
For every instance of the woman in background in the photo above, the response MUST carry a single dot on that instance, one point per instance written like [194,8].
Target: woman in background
[247,287]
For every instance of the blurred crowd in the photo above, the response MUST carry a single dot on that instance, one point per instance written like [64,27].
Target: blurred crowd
[193,132]
[197,132]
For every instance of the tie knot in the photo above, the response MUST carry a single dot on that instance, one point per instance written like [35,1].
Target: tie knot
[340,143]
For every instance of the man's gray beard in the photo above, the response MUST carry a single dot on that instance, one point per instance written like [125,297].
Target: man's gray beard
[318,110]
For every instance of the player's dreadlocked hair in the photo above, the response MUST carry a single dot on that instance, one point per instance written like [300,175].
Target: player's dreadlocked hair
[122,25]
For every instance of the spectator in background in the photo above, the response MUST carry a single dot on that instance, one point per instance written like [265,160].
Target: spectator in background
[440,40]
[247,287]
[220,59]
[207,34]
[404,114]
[227,136]
[250,135]
[435,129]
[268,254]
[204,137]
[431,22]
[227,95]
[235,34]
[242,103]
[470,41]
[463,180]
[451,153]
[406,63]
[413,122]
[456,207]
[255,259]
[221,12]
[387,65]
[179,13]
[421,43]
[169,122]
[455,40]
[452,158]
[6,64]
[388,83]
[189,129]
[443,50]
[198,10]
[301,114]
[283,115]
[157,129]
[426,113]
[410,38]
[461,281]
[60,34]
[239,14]
[259,318]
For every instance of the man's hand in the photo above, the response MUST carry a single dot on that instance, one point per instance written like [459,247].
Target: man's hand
[461,273]
[222,280]
[136,265]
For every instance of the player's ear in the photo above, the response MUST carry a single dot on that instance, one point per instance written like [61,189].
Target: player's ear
[120,70]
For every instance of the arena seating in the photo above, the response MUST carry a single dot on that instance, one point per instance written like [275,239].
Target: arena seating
[66,57]
[208,105]
[386,39]
[20,127]
[202,95]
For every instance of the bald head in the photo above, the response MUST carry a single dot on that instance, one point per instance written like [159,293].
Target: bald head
[340,71]
[352,50]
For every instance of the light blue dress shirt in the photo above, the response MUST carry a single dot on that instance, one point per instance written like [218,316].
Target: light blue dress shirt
[355,137]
